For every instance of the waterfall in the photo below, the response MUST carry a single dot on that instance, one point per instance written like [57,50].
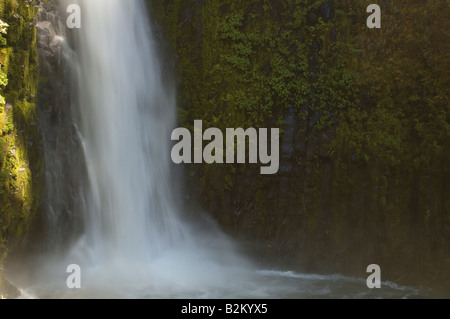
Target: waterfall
[111,203]
[113,187]
[126,114]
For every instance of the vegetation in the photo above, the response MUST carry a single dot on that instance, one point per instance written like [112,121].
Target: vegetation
[20,160]
[365,114]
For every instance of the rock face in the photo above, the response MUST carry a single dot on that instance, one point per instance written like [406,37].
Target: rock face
[63,151]
[59,147]
[365,147]
[347,194]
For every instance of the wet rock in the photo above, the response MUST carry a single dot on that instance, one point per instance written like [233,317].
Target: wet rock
[327,10]
[287,150]
[288,136]
[285,167]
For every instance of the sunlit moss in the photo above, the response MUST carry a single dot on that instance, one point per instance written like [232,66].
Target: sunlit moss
[19,160]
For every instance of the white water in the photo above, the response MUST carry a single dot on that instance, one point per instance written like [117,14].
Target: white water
[127,113]
[136,243]
[135,240]
[134,232]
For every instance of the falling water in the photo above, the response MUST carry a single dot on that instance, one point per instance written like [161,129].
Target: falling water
[126,114]
[135,240]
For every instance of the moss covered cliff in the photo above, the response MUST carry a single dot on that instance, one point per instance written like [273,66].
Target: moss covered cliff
[20,157]
[365,150]
[364,115]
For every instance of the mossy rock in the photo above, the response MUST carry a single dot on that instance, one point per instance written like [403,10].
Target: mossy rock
[20,161]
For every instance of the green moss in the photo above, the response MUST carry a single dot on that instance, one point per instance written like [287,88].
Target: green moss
[380,97]
[20,163]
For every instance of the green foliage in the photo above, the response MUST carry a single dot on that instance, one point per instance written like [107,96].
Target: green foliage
[19,191]
[380,96]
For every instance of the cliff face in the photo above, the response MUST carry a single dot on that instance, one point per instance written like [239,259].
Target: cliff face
[364,115]
[365,119]
[20,140]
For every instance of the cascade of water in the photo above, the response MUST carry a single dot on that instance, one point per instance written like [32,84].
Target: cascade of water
[135,242]
[126,114]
